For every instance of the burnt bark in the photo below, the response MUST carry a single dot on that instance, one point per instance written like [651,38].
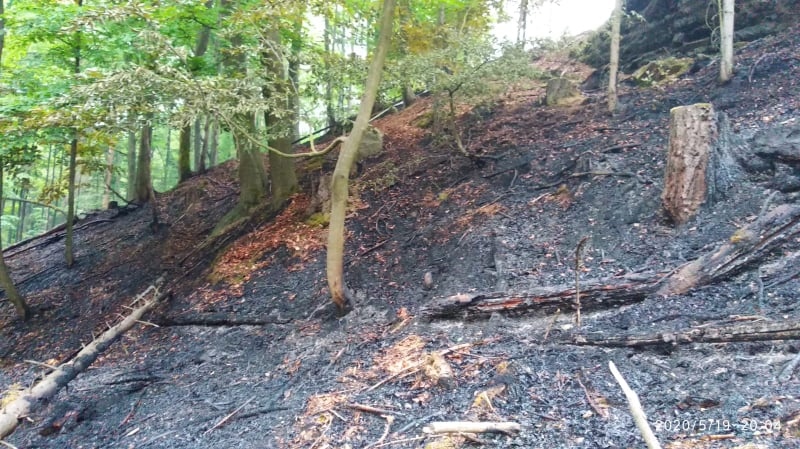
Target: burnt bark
[745,248]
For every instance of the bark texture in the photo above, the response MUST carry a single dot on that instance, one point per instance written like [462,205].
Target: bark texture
[341,174]
[693,134]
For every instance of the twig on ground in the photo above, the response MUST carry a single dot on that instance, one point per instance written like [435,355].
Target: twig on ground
[592,402]
[44,365]
[371,409]
[636,409]
[8,445]
[389,420]
[404,440]
[472,427]
[229,416]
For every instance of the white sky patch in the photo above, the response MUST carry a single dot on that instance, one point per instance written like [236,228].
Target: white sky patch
[569,17]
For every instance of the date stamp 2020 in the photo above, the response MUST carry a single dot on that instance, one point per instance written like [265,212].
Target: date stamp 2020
[714,425]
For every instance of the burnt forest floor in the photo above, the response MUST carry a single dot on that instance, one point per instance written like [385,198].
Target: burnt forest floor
[262,340]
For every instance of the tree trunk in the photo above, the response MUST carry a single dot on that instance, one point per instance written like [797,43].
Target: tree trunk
[329,111]
[69,255]
[198,144]
[726,40]
[131,187]
[408,95]
[68,240]
[214,146]
[201,167]
[613,66]
[108,177]
[184,154]
[693,133]
[282,170]
[522,25]
[252,174]
[144,183]
[5,277]
[341,174]
[167,158]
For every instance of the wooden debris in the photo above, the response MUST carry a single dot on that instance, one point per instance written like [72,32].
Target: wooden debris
[746,247]
[636,409]
[472,427]
[760,331]
[58,379]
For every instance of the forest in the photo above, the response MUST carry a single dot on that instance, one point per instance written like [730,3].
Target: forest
[235,223]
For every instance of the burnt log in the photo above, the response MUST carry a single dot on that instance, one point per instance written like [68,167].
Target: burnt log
[20,407]
[744,248]
[747,332]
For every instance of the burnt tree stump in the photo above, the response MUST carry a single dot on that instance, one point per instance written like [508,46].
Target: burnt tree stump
[701,161]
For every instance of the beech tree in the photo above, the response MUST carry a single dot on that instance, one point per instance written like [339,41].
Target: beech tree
[726,8]
[341,174]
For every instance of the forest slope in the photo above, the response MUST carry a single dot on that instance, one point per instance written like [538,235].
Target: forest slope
[264,341]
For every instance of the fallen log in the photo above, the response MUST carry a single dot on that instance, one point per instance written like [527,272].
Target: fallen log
[746,246]
[760,331]
[61,376]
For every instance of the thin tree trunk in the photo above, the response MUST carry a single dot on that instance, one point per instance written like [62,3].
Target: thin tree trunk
[69,255]
[329,111]
[108,177]
[184,154]
[613,65]
[201,168]
[130,191]
[212,154]
[144,183]
[5,277]
[167,159]
[198,144]
[341,174]
[522,25]
[726,40]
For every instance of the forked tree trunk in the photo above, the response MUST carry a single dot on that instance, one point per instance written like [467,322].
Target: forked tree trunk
[341,174]
[726,40]
[700,163]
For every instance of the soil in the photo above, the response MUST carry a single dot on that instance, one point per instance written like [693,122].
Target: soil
[258,358]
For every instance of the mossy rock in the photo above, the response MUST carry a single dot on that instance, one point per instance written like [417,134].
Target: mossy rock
[662,71]
[319,219]
[561,91]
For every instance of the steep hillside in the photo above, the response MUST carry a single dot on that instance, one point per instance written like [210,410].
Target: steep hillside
[258,358]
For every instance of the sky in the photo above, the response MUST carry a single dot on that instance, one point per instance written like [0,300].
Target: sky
[553,21]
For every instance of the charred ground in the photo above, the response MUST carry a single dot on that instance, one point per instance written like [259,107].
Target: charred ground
[263,337]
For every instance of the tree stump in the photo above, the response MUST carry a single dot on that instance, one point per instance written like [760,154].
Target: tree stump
[701,164]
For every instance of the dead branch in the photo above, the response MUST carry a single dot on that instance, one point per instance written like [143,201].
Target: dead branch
[228,417]
[760,331]
[746,247]
[472,427]
[578,250]
[58,379]
[636,409]
[371,409]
